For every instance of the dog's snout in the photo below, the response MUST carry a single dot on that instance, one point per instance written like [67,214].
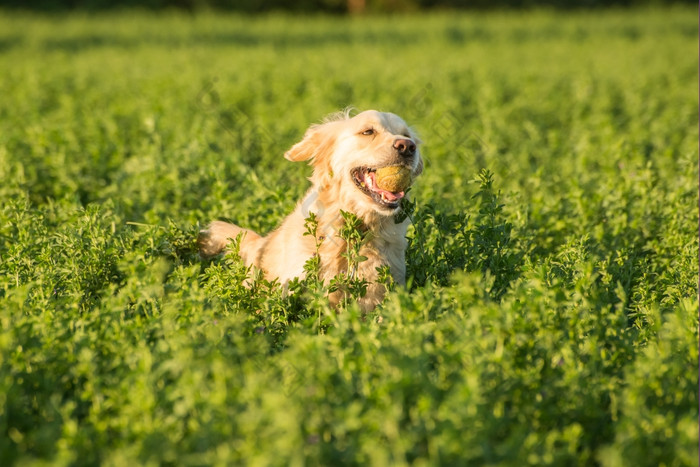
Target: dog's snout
[405,147]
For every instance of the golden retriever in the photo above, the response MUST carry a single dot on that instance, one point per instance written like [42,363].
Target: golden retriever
[345,153]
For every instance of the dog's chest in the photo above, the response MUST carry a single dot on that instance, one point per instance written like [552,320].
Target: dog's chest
[386,249]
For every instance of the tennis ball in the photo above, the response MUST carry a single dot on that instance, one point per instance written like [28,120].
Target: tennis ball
[395,178]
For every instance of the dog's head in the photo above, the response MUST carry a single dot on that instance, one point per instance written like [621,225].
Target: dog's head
[346,153]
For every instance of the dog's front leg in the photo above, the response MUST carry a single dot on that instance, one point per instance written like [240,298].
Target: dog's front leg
[216,237]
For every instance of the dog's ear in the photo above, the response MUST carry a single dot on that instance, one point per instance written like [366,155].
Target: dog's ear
[317,144]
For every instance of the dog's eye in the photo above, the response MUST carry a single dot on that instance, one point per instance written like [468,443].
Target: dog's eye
[368,132]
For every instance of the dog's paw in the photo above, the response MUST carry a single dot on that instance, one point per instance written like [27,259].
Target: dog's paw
[209,243]
[215,238]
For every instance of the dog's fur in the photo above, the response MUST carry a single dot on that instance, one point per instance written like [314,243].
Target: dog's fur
[335,149]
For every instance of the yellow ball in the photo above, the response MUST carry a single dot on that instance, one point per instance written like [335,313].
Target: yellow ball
[395,178]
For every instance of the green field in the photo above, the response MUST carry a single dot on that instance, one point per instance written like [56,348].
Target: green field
[551,311]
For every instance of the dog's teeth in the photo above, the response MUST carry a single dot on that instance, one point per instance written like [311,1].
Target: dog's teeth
[369,182]
[384,197]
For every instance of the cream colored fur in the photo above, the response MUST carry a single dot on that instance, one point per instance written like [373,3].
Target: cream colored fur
[334,148]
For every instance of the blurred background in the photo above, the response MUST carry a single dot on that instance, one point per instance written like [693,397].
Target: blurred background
[327,6]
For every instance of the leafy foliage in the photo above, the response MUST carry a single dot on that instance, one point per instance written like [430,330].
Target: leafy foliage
[550,315]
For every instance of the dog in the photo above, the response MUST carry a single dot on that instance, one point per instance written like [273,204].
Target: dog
[345,152]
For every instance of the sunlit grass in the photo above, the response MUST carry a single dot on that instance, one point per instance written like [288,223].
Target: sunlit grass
[551,310]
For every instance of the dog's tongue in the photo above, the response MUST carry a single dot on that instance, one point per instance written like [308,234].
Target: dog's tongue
[391,196]
[388,195]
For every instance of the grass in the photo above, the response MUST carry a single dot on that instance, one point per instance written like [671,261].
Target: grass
[551,311]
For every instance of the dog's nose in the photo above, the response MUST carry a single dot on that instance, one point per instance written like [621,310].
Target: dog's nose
[406,147]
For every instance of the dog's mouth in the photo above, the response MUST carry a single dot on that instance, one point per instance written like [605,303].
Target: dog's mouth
[365,180]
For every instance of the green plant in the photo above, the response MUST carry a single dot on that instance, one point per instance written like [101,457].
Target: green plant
[550,314]
[349,283]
